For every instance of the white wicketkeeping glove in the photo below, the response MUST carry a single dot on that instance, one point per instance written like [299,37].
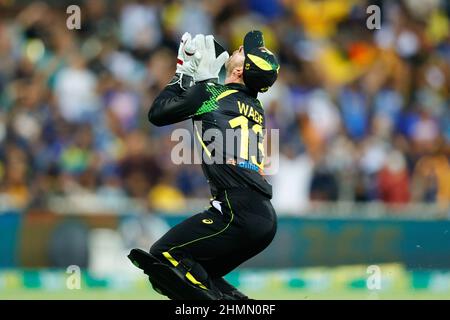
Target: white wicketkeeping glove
[209,66]
[188,60]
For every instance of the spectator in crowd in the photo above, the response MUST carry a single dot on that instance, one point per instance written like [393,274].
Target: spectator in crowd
[393,180]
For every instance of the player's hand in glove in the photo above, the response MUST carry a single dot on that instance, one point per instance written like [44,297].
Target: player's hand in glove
[188,60]
[210,65]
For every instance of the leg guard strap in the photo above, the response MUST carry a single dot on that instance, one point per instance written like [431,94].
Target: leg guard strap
[177,283]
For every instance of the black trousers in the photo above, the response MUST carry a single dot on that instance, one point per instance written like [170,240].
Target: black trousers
[239,224]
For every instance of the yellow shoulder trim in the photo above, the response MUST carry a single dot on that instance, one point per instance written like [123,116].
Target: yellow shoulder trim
[225,94]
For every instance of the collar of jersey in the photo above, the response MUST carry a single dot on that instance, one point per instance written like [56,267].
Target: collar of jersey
[243,88]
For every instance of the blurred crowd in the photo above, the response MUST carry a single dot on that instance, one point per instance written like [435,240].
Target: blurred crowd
[364,115]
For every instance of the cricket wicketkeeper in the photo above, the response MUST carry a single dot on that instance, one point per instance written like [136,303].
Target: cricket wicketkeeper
[190,260]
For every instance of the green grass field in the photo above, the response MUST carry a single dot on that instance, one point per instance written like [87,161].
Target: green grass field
[338,283]
[279,294]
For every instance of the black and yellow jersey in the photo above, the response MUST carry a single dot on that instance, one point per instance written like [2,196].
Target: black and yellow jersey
[228,124]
